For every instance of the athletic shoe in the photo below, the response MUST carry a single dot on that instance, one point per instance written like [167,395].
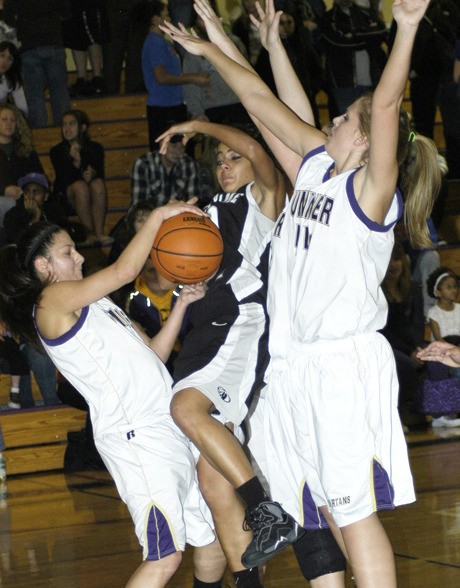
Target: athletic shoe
[445,421]
[14,401]
[274,530]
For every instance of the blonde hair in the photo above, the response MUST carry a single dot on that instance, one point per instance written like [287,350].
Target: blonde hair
[22,136]
[420,175]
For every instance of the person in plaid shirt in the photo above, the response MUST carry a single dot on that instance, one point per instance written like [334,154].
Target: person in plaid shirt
[172,176]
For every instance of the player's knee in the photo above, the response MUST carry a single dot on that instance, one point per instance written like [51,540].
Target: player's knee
[318,554]
[182,411]
[156,572]
[187,410]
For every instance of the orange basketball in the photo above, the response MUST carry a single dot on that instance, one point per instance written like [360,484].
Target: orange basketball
[187,249]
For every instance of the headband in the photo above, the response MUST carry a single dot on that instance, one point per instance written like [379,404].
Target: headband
[38,243]
[440,279]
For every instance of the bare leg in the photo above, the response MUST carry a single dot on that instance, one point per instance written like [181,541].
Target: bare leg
[80,62]
[80,198]
[98,206]
[227,511]
[155,574]
[369,552]
[209,562]
[190,410]
[95,58]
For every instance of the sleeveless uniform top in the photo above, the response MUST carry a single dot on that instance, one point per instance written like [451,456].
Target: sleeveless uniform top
[242,275]
[327,260]
[119,376]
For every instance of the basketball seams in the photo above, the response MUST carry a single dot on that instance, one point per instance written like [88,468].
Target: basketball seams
[203,254]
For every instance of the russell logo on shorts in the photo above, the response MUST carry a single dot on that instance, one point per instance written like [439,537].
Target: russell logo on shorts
[223,394]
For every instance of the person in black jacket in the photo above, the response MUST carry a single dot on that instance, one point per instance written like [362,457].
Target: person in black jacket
[79,167]
[17,156]
[34,205]
[352,39]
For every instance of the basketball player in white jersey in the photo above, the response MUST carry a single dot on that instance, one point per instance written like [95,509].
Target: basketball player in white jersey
[332,384]
[121,375]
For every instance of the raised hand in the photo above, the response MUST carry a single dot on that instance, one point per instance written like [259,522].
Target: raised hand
[185,129]
[190,42]
[409,12]
[193,292]
[212,22]
[268,24]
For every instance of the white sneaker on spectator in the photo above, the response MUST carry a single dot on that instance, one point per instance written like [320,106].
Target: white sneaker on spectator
[445,421]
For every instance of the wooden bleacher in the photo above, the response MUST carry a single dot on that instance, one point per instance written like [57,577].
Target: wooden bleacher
[36,439]
[119,124]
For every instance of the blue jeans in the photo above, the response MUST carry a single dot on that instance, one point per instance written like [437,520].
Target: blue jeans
[45,67]
[45,375]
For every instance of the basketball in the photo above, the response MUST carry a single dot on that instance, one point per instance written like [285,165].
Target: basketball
[187,249]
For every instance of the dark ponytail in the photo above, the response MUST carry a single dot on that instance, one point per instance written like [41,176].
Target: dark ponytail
[20,285]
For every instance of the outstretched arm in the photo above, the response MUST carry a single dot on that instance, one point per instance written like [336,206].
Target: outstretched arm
[289,88]
[288,85]
[67,297]
[268,188]
[382,170]
[254,94]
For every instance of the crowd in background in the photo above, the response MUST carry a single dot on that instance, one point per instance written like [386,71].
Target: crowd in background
[340,50]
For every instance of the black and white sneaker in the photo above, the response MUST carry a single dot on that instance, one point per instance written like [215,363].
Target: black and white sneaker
[274,530]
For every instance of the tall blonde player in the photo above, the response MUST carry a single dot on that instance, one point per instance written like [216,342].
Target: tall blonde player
[333,387]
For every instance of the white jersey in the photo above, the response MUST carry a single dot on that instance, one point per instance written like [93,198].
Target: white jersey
[106,360]
[340,296]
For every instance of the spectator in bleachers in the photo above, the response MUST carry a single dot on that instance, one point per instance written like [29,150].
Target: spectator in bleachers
[216,102]
[162,76]
[311,13]
[122,233]
[78,164]
[14,363]
[352,39]
[17,156]
[400,332]
[434,76]
[39,27]
[150,303]
[159,178]
[127,34]
[30,208]
[7,33]
[11,86]
[85,33]
[439,394]
[33,205]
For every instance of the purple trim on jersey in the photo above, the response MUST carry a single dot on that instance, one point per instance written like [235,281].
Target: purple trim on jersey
[372,225]
[159,537]
[383,490]
[312,517]
[309,155]
[70,333]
